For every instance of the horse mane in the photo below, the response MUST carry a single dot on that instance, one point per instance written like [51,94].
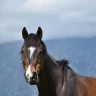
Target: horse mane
[62,62]
[43,46]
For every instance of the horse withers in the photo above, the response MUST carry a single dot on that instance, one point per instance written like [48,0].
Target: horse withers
[53,78]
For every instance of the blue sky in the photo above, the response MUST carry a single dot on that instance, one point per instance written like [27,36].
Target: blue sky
[58,18]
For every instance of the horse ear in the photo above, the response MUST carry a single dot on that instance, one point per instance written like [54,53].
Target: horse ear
[39,33]
[24,33]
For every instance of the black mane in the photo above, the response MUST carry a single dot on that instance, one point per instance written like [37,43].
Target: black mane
[62,62]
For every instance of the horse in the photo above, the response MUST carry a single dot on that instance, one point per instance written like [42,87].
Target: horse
[52,77]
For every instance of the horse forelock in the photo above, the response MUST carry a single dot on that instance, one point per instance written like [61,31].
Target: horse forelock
[33,40]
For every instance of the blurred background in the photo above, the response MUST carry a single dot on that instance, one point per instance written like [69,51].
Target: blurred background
[69,31]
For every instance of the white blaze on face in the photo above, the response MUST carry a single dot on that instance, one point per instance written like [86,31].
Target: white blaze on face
[31,50]
[28,71]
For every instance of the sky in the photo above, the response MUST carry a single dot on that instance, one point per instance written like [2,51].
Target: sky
[57,18]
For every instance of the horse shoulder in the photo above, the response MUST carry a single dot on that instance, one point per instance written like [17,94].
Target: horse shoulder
[86,86]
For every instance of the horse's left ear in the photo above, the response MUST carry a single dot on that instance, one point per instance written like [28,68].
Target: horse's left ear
[39,33]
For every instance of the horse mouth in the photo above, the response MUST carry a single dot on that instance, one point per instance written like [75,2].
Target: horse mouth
[33,81]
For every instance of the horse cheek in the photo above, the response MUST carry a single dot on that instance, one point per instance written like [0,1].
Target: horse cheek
[25,62]
[38,67]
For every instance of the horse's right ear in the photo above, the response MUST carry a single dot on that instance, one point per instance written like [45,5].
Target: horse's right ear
[24,33]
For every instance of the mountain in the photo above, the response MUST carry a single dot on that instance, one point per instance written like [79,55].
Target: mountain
[80,52]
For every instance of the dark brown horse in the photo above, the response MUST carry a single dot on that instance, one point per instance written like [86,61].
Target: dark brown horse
[53,78]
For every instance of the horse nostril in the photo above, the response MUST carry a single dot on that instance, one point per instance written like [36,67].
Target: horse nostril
[34,74]
[27,75]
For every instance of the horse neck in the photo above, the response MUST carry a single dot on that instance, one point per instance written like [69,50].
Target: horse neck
[68,83]
[49,77]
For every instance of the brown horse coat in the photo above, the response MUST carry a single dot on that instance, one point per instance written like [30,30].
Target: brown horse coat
[87,86]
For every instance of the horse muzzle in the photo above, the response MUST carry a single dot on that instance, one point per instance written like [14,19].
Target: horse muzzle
[32,80]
